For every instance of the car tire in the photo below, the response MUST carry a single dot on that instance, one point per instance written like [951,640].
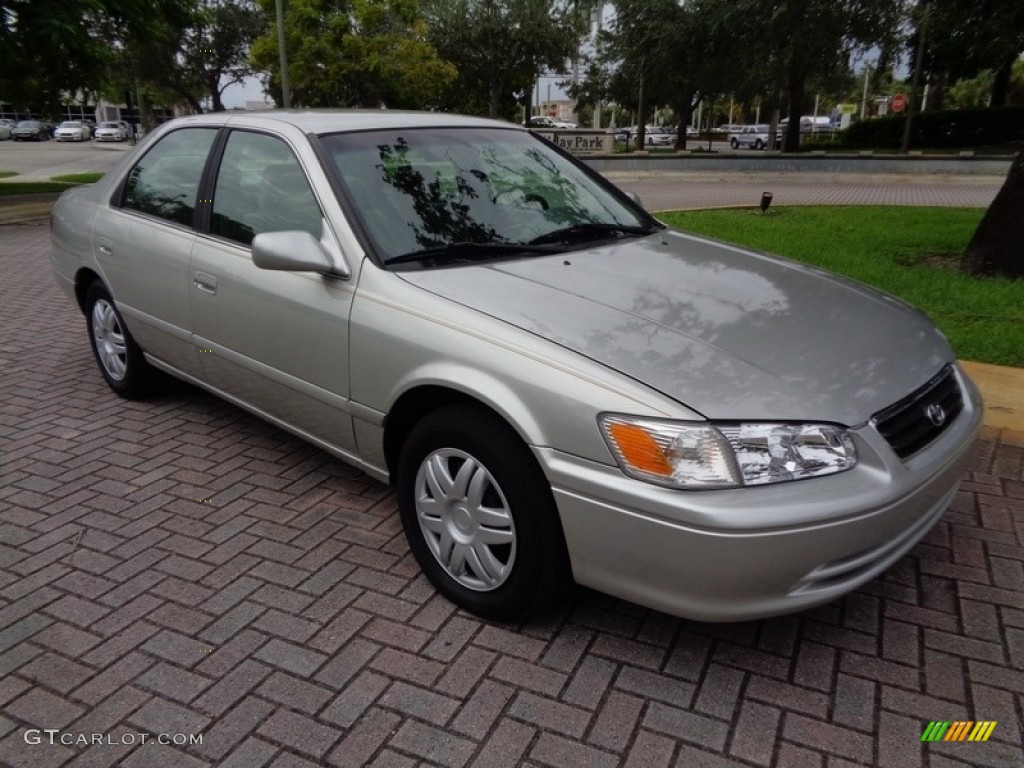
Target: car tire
[734,143]
[479,515]
[119,358]
[758,144]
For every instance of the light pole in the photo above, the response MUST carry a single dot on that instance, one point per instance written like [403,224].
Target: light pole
[915,81]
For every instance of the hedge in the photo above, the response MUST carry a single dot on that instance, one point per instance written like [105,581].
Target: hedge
[941,129]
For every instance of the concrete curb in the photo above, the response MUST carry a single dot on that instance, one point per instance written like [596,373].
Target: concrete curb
[1002,389]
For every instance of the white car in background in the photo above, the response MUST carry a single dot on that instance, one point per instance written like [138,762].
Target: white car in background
[752,137]
[72,130]
[6,130]
[543,121]
[111,132]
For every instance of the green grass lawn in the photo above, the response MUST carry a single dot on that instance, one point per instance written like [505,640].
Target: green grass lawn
[11,188]
[79,178]
[910,252]
[55,184]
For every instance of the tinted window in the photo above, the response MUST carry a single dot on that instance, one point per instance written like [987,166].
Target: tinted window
[165,182]
[262,188]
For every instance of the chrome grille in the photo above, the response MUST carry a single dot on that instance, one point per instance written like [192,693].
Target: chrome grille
[916,420]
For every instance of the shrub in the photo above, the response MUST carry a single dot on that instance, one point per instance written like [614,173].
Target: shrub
[948,128]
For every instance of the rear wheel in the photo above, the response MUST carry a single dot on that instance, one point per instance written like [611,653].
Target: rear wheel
[734,143]
[479,514]
[758,144]
[120,359]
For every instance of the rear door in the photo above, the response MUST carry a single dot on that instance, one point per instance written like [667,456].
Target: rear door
[143,243]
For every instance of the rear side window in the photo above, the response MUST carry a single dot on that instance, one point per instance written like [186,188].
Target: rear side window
[165,182]
[261,187]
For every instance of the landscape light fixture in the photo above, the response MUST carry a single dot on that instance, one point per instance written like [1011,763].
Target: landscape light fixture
[766,200]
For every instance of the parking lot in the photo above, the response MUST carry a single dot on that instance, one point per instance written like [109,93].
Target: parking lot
[42,160]
[177,568]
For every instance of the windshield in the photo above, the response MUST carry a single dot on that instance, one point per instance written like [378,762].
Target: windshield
[418,189]
[70,124]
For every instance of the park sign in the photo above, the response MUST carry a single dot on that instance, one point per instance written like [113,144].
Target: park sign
[580,141]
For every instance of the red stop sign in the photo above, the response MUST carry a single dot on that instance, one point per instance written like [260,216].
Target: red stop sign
[898,103]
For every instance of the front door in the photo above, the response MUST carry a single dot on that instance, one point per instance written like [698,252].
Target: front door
[277,341]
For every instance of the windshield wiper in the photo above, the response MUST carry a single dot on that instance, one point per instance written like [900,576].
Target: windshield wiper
[469,251]
[591,230]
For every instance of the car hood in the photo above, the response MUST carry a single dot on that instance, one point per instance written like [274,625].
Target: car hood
[729,333]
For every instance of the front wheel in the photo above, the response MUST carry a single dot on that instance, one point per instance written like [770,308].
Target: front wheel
[479,515]
[120,359]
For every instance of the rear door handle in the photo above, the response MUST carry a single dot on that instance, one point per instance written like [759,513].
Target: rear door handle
[206,283]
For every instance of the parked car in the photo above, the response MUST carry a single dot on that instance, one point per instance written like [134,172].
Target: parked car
[557,385]
[809,124]
[31,130]
[6,130]
[72,130]
[543,121]
[655,136]
[753,137]
[111,132]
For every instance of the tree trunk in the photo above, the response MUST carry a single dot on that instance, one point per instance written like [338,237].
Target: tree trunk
[213,82]
[791,141]
[1001,84]
[684,111]
[641,117]
[495,100]
[997,247]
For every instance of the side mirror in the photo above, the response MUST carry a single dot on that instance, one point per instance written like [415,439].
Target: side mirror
[294,251]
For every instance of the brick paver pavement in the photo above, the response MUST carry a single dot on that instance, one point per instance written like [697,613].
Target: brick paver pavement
[672,190]
[176,566]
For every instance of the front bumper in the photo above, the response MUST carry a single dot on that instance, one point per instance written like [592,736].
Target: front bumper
[761,551]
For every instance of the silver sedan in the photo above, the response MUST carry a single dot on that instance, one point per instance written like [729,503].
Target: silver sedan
[559,387]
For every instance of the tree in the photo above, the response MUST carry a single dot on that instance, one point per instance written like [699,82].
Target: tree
[217,46]
[997,246]
[500,46]
[816,38]
[354,53]
[176,60]
[55,49]
[966,38]
[684,52]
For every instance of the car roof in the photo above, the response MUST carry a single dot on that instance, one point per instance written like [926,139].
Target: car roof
[329,121]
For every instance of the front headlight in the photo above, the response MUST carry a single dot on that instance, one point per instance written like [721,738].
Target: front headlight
[689,455]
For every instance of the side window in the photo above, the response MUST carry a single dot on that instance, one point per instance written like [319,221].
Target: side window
[165,182]
[262,188]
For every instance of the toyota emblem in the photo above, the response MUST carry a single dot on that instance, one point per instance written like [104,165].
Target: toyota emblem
[936,414]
